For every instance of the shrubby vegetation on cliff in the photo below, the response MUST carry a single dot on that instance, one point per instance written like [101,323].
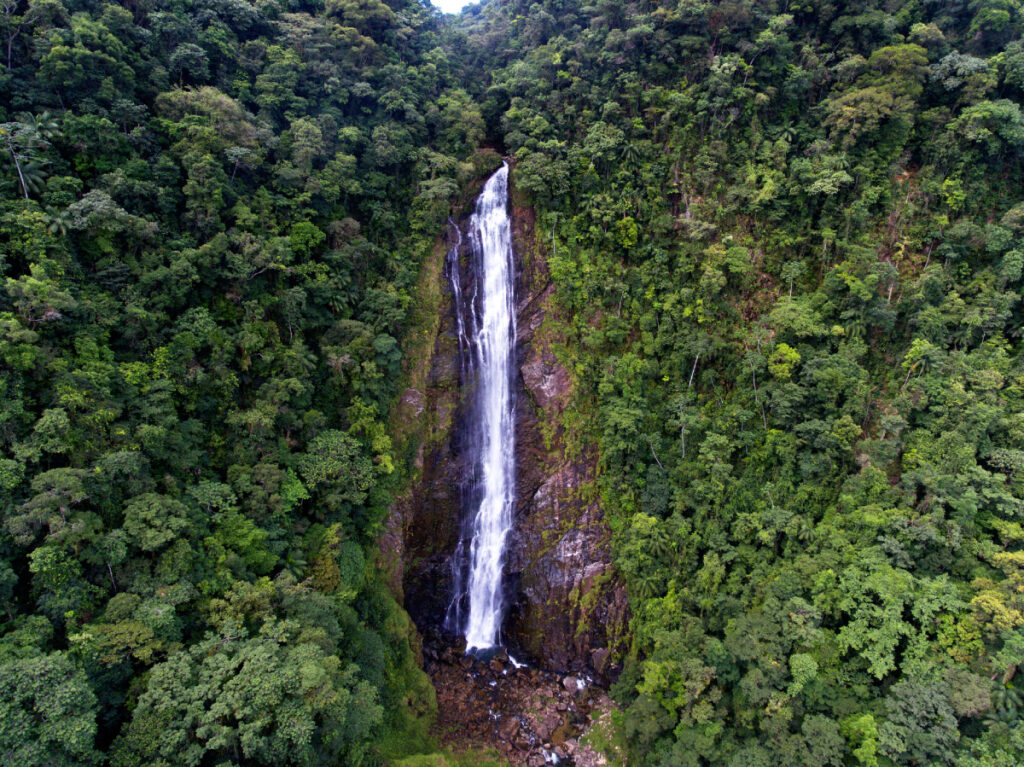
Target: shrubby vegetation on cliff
[788,242]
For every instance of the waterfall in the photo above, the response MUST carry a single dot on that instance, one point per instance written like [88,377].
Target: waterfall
[487,335]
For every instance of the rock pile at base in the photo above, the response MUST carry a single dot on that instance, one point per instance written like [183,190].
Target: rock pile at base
[530,716]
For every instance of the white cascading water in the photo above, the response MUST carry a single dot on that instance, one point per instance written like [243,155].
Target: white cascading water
[491,342]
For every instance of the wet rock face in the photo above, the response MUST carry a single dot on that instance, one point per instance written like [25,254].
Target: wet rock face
[568,597]
[547,380]
[568,606]
[566,609]
[422,528]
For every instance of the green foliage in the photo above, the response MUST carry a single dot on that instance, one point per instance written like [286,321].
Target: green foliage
[802,374]
[786,247]
[272,698]
[207,252]
[47,712]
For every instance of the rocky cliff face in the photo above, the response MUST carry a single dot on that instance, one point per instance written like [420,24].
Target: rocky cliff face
[422,530]
[567,610]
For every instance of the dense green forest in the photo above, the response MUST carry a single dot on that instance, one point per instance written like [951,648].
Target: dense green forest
[212,216]
[787,241]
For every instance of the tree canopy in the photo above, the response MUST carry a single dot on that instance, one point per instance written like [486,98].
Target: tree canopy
[786,243]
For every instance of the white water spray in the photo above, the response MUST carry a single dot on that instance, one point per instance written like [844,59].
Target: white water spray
[493,340]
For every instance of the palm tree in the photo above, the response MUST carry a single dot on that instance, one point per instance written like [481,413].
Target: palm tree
[296,564]
[1006,704]
[57,221]
[32,176]
[13,136]
[649,583]
[630,154]
[23,136]
[44,125]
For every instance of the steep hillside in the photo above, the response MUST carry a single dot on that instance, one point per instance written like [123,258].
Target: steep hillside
[770,375]
[211,219]
[789,239]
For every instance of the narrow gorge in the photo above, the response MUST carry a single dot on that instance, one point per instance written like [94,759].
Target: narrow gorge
[503,514]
